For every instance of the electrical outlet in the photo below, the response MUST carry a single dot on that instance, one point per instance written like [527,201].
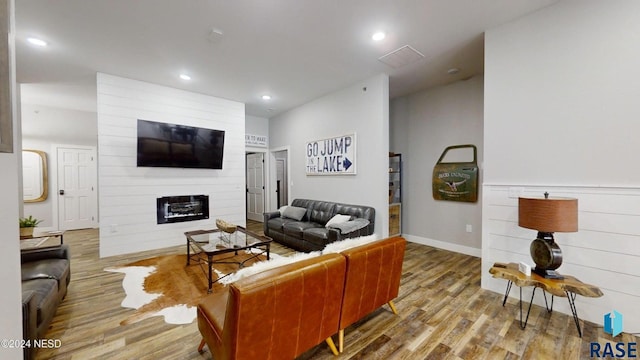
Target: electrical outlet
[114,228]
[469,228]
[515,192]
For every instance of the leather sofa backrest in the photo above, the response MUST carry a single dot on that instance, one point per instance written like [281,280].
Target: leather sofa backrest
[322,212]
[325,210]
[359,211]
[372,278]
[305,203]
[282,312]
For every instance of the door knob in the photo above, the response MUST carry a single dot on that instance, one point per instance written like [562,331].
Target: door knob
[61,192]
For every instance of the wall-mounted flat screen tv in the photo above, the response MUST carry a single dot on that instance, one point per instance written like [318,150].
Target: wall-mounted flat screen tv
[170,145]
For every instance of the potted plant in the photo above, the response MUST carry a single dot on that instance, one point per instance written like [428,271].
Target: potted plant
[27,224]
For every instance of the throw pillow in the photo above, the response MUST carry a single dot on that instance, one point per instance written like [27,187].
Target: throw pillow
[337,219]
[294,212]
[267,265]
[282,208]
[339,246]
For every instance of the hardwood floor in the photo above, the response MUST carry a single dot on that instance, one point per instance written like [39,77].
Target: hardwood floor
[443,314]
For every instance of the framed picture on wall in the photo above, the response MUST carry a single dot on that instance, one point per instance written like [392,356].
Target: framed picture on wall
[6,132]
[332,156]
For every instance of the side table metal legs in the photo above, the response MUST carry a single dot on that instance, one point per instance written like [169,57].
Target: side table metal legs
[570,296]
[572,304]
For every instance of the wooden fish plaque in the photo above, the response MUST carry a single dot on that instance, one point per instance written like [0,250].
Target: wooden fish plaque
[456,181]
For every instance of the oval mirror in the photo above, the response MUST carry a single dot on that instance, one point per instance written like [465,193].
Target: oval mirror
[35,184]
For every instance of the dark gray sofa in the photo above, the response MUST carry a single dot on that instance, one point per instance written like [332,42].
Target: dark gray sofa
[46,273]
[310,233]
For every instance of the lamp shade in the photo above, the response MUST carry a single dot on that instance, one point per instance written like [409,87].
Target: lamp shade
[548,215]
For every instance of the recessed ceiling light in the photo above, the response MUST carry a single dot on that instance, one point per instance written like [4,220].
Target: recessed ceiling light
[185,77]
[378,36]
[37,42]
[453,71]
[266,97]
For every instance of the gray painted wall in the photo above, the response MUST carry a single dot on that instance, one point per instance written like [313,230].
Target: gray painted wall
[10,296]
[342,112]
[561,116]
[422,126]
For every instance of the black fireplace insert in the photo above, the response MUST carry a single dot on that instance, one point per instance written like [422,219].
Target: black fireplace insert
[171,209]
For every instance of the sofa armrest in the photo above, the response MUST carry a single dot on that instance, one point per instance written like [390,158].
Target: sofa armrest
[29,321]
[267,216]
[271,215]
[53,252]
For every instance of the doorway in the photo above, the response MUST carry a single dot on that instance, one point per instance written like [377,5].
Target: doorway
[76,187]
[255,186]
[282,190]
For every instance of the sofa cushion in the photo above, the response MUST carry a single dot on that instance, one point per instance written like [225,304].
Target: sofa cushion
[297,228]
[337,219]
[322,211]
[45,269]
[278,223]
[45,295]
[294,212]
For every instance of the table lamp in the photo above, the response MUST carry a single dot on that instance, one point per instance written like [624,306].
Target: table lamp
[547,216]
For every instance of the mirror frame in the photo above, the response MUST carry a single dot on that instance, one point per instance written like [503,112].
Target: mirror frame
[45,177]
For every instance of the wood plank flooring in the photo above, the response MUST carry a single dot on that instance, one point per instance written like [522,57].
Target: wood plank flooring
[443,314]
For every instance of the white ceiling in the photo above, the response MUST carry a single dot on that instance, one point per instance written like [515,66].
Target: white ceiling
[294,50]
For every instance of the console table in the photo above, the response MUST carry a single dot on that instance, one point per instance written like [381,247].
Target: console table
[41,238]
[568,287]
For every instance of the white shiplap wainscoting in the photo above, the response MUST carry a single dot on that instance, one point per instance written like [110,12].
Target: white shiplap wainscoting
[604,252]
[127,193]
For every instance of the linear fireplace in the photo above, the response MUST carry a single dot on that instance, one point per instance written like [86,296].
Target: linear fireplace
[172,209]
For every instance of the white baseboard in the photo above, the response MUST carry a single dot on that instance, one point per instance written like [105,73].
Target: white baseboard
[467,250]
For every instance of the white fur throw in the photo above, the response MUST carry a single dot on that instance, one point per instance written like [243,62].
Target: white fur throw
[267,265]
[334,247]
[339,246]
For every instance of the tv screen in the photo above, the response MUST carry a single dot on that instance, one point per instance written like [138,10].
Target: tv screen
[170,145]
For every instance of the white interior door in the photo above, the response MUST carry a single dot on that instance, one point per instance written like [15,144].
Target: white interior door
[255,186]
[77,199]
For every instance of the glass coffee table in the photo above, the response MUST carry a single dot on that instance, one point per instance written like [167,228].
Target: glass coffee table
[203,245]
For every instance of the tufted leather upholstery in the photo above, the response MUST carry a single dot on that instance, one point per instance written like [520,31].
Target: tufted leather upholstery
[310,233]
[372,280]
[276,314]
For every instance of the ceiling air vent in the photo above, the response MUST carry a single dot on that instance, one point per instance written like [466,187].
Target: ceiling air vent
[401,57]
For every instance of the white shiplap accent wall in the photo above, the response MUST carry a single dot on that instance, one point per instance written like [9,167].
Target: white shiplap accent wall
[127,194]
[604,252]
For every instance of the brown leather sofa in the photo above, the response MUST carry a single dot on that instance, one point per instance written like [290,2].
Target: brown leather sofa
[281,313]
[372,280]
[276,314]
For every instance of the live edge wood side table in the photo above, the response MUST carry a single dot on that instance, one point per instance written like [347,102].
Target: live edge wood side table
[568,287]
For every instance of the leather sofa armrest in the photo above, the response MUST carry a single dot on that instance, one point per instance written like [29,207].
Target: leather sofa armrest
[29,321]
[271,215]
[54,252]
[267,216]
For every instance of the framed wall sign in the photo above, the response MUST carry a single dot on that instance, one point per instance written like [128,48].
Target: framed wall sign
[6,132]
[255,140]
[332,156]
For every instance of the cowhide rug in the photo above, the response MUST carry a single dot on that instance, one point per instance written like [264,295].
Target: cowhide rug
[166,286]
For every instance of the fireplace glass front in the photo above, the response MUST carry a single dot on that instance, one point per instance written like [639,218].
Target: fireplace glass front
[171,209]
